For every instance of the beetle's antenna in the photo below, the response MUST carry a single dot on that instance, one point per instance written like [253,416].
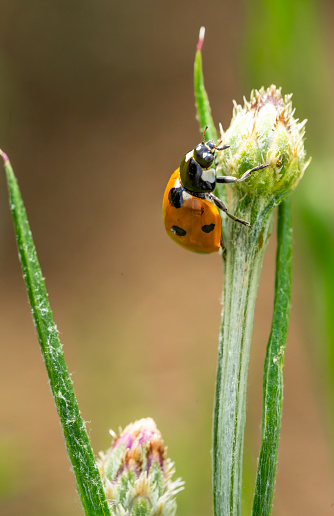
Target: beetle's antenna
[205,129]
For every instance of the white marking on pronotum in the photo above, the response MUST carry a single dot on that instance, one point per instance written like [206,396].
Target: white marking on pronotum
[177,183]
[186,195]
[209,175]
[189,155]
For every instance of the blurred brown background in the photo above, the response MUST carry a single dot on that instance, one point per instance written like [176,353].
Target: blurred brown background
[96,111]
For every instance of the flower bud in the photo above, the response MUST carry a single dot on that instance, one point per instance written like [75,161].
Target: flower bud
[264,131]
[136,474]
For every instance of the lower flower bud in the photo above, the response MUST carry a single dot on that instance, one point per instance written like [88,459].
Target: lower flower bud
[136,475]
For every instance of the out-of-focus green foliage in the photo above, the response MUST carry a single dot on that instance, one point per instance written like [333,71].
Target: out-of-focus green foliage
[316,225]
[284,44]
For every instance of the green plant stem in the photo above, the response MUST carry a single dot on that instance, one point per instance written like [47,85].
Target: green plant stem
[273,367]
[87,476]
[244,258]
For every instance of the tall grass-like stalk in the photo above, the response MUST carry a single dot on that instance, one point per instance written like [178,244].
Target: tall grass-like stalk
[263,131]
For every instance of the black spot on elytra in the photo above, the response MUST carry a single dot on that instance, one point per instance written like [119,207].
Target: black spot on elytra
[208,228]
[175,197]
[178,231]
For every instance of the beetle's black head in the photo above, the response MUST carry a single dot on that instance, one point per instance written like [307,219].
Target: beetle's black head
[204,154]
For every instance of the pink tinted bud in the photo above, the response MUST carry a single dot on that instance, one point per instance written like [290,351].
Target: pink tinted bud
[135,471]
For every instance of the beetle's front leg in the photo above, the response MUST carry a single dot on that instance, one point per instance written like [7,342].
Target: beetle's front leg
[232,179]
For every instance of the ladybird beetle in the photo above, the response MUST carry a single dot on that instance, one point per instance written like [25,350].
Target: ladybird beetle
[190,210]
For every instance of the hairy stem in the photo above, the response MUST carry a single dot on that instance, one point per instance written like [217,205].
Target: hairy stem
[244,258]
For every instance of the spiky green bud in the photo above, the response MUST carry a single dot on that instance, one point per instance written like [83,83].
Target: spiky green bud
[264,131]
[136,474]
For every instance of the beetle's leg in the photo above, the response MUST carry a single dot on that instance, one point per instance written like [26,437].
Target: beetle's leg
[222,207]
[224,147]
[232,179]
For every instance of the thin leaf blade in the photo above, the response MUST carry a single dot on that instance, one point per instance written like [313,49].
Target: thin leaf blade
[203,108]
[201,97]
[78,447]
[273,367]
